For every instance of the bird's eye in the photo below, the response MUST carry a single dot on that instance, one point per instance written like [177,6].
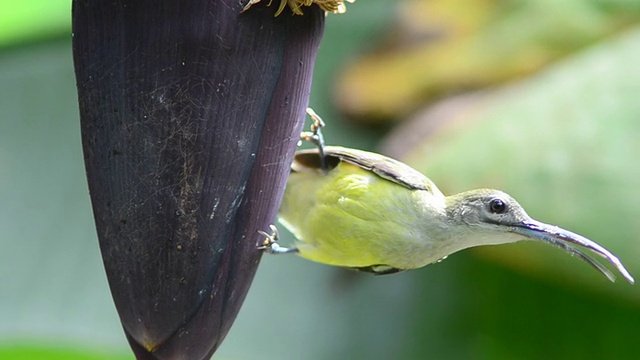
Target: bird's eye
[497,206]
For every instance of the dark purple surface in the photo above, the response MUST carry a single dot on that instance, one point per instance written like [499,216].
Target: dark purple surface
[190,112]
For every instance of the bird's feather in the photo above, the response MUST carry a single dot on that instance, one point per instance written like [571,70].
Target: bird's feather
[382,166]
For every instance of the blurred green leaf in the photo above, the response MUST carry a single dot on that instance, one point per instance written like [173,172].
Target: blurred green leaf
[29,20]
[32,351]
[52,283]
[438,47]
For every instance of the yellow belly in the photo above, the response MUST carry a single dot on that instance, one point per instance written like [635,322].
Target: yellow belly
[354,218]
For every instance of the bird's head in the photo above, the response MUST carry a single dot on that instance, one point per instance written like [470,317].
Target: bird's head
[490,210]
[493,217]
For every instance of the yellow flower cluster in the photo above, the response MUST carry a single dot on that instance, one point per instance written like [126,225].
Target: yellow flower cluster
[334,6]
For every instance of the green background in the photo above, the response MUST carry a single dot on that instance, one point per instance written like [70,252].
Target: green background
[54,298]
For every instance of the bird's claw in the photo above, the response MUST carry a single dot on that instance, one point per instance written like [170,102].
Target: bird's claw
[269,239]
[270,242]
[315,135]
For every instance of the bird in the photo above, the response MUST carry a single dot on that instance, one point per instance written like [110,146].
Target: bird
[365,211]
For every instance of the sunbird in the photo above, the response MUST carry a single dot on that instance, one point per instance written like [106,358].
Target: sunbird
[362,210]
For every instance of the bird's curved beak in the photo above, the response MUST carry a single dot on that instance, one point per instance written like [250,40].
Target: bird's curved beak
[564,239]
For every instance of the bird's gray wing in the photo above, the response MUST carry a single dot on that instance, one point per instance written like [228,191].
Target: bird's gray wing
[381,165]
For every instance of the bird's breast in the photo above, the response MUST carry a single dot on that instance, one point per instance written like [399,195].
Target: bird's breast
[352,217]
